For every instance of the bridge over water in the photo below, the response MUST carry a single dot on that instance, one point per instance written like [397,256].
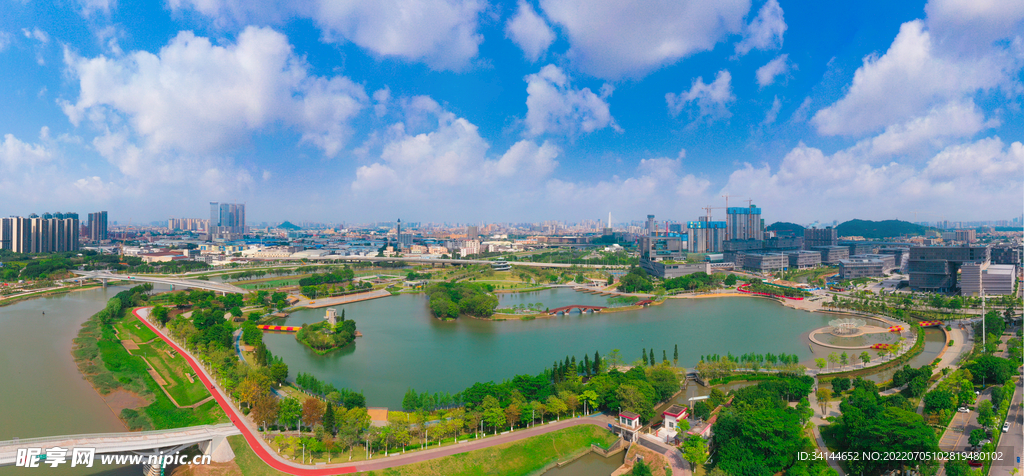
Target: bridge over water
[212,440]
[579,307]
[105,276]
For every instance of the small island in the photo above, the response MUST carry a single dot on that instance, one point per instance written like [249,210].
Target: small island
[330,335]
[450,300]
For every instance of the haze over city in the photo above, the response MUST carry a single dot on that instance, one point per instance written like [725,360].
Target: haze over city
[528,111]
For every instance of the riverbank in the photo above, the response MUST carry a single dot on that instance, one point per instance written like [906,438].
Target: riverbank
[45,293]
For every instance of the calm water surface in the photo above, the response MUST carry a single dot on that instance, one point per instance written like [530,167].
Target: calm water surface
[403,346]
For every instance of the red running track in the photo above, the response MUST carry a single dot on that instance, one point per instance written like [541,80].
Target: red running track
[236,419]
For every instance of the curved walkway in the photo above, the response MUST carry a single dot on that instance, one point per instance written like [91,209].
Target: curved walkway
[270,457]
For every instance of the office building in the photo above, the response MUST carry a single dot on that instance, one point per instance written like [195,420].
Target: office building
[765,262]
[888,260]
[46,234]
[97,226]
[832,254]
[1006,254]
[706,236]
[227,220]
[966,236]
[814,237]
[992,279]
[472,232]
[860,247]
[935,268]
[901,257]
[854,268]
[782,244]
[743,223]
[803,259]
[662,248]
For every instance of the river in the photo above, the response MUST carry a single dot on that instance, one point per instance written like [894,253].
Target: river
[404,347]
[43,394]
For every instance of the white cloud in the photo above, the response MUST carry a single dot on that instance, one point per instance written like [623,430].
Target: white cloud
[90,7]
[954,120]
[765,31]
[910,78]
[972,25]
[800,115]
[199,98]
[15,154]
[613,39]
[711,99]
[960,180]
[766,74]
[441,33]
[555,107]
[529,31]
[773,113]
[36,34]
[5,40]
[451,162]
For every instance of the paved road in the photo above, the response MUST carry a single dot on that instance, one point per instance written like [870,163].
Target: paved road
[269,456]
[1014,437]
[818,420]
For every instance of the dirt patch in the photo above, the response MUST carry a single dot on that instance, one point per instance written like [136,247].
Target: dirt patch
[159,380]
[120,399]
[130,345]
[378,414]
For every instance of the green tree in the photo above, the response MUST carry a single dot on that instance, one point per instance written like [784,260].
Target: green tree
[695,449]
[938,400]
[844,359]
[640,468]
[976,436]
[821,363]
[675,356]
[865,357]
[328,419]
[289,412]
[555,405]
[730,280]
[986,416]
[702,410]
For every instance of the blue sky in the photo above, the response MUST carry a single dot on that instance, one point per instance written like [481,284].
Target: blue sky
[467,110]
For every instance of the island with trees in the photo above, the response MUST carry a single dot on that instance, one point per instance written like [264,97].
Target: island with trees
[450,300]
[324,338]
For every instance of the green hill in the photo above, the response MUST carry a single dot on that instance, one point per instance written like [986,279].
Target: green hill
[786,228]
[879,229]
[287,225]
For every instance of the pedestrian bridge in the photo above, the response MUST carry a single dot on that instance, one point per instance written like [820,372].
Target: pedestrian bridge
[105,276]
[579,307]
[210,438]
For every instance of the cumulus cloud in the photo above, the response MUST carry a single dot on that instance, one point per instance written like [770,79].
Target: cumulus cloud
[529,31]
[613,39]
[450,161]
[199,98]
[955,120]
[16,154]
[777,67]
[5,40]
[711,99]
[972,26]
[555,107]
[440,33]
[765,31]
[959,179]
[920,74]
[36,34]
[90,7]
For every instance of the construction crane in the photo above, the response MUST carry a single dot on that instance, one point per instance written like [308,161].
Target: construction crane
[708,209]
[726,200]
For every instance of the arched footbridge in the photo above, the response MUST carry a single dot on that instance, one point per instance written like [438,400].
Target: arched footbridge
[105,276]
[211,439]
[578,307]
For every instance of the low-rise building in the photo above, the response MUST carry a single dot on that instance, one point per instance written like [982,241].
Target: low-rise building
[860,268]
[765,262]
[803,259]
[888,261]
[992,279]
[669,270]
[832,254]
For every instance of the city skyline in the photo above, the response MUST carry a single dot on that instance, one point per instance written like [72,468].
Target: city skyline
[514,111]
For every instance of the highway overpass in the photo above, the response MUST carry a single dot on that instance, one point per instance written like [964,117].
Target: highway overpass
[377,259]
[105,276]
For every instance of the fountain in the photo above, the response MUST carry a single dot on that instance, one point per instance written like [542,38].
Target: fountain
[846,327]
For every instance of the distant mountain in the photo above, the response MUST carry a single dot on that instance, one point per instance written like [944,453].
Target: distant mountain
[879,229]
[786,228]
[288,226]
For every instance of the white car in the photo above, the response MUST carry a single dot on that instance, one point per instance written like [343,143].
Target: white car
[964,410]
[1006,427]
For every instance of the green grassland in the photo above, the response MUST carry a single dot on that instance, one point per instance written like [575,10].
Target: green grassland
[512,459]
[172,369]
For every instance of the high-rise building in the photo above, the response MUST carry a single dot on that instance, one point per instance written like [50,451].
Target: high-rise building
[188,224]
[97,226]
[35,234]
[227,218]
[651,227]
[706,236]
[744,223]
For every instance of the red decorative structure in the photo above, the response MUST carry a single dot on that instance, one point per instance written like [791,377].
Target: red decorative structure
[278,328]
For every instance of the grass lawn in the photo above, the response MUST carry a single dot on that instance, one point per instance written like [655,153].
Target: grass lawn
[246,459]
[512,459]
[171,369]
[268,284]
[135,330]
